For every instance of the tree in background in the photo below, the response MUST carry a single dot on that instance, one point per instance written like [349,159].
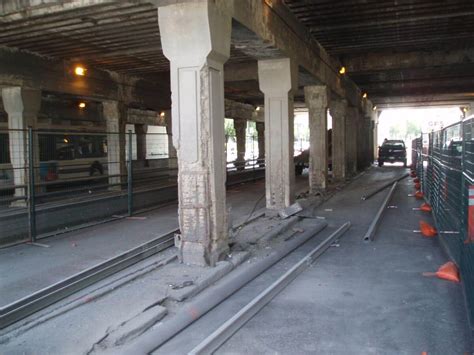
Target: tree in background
[229,132]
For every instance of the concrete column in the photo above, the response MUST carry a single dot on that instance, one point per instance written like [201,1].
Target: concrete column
[172,154]
[195,37]
[370,142]
[260,126]
[317,99]
[240,127]
[22,106]
[278,80]
[364,138]
[375,122]
[338,113]
[140,131]
[351,140]
[114,115]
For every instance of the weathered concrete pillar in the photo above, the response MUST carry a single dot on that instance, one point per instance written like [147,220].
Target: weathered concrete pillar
[375,120]
[370,142]
[114,115]
[260,126]
[351,140]
[172,154]
[317,99]
[195,37]
[278,79]
[338,113]
[240,127]
[22,106]
[363,141]
[140,131]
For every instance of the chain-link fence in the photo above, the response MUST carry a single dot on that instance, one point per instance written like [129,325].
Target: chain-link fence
[71,179]
[445,165]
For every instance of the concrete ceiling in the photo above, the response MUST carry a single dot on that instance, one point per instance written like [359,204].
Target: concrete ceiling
[399,51]
[122,37]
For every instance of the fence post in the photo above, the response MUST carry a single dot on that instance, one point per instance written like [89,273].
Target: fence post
[129,175]
[31,187]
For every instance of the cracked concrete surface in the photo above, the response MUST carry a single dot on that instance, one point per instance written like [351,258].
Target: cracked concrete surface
[103,313]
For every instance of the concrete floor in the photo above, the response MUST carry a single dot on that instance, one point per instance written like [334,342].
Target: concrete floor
[357,298]
[26,269]
[366,298]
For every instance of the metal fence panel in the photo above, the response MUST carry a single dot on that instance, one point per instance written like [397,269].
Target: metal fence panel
[84,177]
[447,172]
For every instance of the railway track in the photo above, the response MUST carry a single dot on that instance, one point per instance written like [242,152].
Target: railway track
[24,307]
[47,296]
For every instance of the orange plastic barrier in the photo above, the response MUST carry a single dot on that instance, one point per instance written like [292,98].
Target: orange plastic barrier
[448,271]
[425,207]
[413,174]
[427,229]
[416,180]
[417,186]
[419,195]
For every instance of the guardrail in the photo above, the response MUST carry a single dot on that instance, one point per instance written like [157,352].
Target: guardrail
[49,177]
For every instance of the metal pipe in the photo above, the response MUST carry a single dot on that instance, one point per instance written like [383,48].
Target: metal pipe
[226,330]
[212,296]
[383,187]
[369,235]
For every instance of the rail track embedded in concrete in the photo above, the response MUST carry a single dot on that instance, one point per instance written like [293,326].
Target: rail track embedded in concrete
[36,301]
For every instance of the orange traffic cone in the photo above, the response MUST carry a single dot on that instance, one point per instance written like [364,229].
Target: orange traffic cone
[419,195]
[416,180]
[427,229]
[425,207]
[448,271]
[417,186]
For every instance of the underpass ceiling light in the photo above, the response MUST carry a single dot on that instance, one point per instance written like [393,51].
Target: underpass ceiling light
[374,108]
[162,114]
[342,71]
[364,96]
[257,108]
[80,71]
[82,105]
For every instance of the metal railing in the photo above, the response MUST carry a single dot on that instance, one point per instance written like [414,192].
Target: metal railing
[445,165]
[57,180]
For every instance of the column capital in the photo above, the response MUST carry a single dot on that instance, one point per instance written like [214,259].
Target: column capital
[193,32]
[21,100]
[240,123]
[277,75]
[317,96]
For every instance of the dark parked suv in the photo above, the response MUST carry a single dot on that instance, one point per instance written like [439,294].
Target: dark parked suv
[392,151]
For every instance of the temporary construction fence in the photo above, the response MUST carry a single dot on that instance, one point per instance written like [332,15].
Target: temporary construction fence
[444,163]
[56,180]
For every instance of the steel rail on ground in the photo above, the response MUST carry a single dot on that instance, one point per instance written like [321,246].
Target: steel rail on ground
[36,301]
